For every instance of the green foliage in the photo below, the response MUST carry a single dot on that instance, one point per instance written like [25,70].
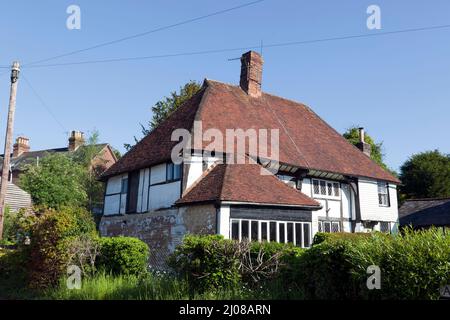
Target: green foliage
[320,237]
[207,262]
[55,182]
[51,236]
[377,155]
[123,255]
[163,108]
[426,175]
[17,226]
[413,265]
[13,273]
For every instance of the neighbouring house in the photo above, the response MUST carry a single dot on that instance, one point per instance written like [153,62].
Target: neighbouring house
[16,198]
[321,181]
[23,156]
[425,213]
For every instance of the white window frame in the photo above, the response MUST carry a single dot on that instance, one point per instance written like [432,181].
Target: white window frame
[383,194]
[330,222]
[326,184]
[278,223]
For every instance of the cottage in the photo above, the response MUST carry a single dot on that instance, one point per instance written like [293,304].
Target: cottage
[317,181]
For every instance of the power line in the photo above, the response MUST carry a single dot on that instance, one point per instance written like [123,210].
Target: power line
[42,102]
[148,32]
[273,45]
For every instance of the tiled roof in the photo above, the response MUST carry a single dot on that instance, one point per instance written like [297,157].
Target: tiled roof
[19,163]
[244,183]
[425,212]
[306,140]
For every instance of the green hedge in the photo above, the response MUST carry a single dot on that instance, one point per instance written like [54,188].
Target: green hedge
[123,255]
[413,265]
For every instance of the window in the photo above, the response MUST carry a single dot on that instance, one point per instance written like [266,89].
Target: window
[124,187]
[297,233]
[326,189]
[385,227]
[173,172]
[329,226]
[383,195]
[235,229]
[254,225]
[244,229]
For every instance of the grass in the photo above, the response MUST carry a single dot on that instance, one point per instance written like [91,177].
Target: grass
[150,287]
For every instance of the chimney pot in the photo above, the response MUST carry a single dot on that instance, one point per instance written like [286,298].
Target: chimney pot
[251,73]
[76,140]
[21,146]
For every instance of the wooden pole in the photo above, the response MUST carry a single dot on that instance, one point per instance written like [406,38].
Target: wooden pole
[15,70]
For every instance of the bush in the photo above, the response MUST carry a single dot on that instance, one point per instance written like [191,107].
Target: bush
[325,236]
[210,262]
[207,262]
[413,265]
[123,255]
[50,238]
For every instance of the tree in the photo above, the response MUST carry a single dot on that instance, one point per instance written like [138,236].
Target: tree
[163,108]
[426,175]
[89,157]
[55,182]
[352,135]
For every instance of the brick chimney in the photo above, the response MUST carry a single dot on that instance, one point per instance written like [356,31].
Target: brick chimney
[76,140]
[251,73]
[362,144]
[21,146]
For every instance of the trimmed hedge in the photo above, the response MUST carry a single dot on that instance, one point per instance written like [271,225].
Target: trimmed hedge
[123,255]
[324,236]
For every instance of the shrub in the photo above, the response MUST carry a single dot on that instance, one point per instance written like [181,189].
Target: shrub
[123,255]
[325,236]
[210,262]
[50,239]
[413,266]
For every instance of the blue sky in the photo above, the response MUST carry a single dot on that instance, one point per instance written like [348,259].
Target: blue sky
[396,86]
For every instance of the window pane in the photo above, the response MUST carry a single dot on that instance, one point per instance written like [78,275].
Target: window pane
[254,230]
[323,189]
[327,226]
[235,229]
[306,235]
[273,231]
[281,233]
[264,231]
[169,172]
[177,172]
[290,232]
[320,226]
[384,227]
[244,231]
[124,188]
[336,189]
[316,186]
[298,234]
[335,227]
[330,188]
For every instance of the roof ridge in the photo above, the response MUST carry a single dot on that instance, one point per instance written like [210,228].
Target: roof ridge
[428,199]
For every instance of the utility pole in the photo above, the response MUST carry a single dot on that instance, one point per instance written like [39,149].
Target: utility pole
[15,70]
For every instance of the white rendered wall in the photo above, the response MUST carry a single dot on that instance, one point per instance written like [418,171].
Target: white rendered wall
[223,221]
[164,195]
[114,201]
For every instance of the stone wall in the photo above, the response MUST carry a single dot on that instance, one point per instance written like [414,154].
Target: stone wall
[162,230]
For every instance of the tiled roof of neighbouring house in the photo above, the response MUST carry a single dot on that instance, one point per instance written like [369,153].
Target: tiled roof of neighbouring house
[244,183]
[425,212]
[306,141]
[32,157]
